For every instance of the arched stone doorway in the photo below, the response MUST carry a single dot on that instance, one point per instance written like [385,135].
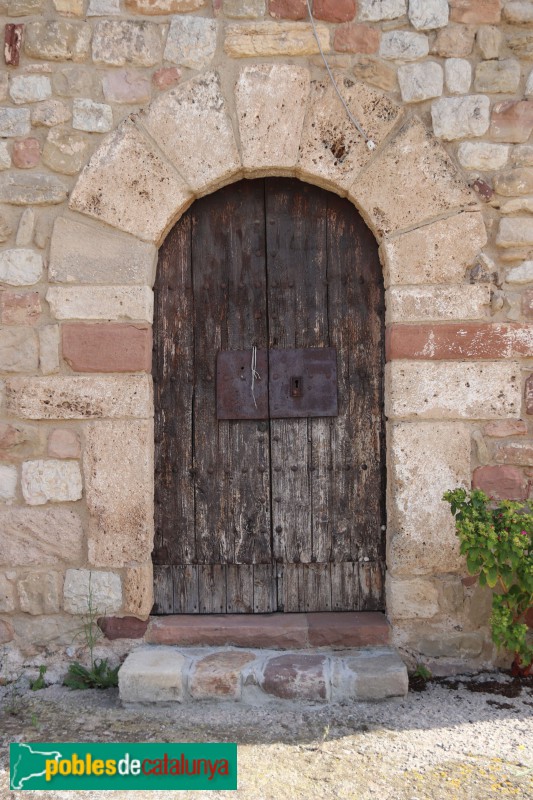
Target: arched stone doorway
[269,497]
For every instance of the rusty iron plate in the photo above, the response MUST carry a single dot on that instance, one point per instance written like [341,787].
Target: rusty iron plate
[303,382]
[234,385]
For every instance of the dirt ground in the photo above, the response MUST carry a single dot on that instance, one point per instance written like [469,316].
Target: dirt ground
[447,742]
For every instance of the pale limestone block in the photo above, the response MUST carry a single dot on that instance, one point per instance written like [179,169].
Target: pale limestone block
[515,232]
[404,45]
[126,86]
[57,40]
[70,8]
[75,81]
[374,71]
[413,158]
[155,7]
[49,349]
[427,15]
[103,8]
[31,189]
[411,599]
[377,10]
[520,274]
[497,76]
[440,252]
[426,459]
[258,39]
[5,157]
[128,185]
[489,39]
[14,121]
[368,674]
[101,302]
[46,631]
[243,9]
[139,589]
[52,480]
[120,502]
[191,41]
[20,267]
[483,155]
[93,254]
[271,102]
[50,113]
[528,91]
[64,443]
[40,536]
[519,13]
[91,117]
[8,483]
[40,593]
[460,117]
[457,75]
[18,349]
[5,229]
[118,43]
[65,151]
[84,587]
[4,83]
[80,397]
[192,126]
[153,675]
[332,152]
[428,303]
[420,81]
[7,595]
[512,182]
[453,390]
[29,88]
[25,228]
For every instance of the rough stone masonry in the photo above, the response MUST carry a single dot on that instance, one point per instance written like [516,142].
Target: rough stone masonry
[114,116]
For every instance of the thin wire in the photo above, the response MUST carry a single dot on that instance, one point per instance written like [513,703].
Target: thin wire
[255,375]
[369,142]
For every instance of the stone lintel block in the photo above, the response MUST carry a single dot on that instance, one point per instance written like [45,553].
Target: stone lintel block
[101,302]
[453,390]
[81,253]
[449,341]
[139,589]
[192,126]
[332,152]
[271,100]
[102,590]
[371,674]
[218,676]
[283,631]
[412,598]
[502,483]
[426,460]
[80,397]
[263,39]
[120,502]
[410,181]
[424,303]
[107,347]
[122,627]
[151,675]
[439,252]
[297,677]
[129,186]
[40,536]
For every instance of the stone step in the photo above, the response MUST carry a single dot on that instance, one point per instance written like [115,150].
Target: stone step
[164,674]
[278,631]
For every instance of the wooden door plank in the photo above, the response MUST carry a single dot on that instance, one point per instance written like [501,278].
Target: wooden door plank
[212,588]
[315,587]
[265,601]
[239,589]
[173,393]
[163,591]
[291,588]
[345,593]
[372,585]
[185,579]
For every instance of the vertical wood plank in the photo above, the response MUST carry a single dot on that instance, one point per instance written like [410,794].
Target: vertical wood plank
[212,588]
[291,588]
[239,589]
[185,579]
[163,592]
[345,594]
[314,582]
[372,585]
[265,601]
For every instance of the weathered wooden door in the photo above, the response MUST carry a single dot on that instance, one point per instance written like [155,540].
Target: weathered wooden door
[274,514]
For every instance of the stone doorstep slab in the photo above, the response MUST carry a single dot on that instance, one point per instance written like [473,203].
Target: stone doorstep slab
[338,629]
[163,674]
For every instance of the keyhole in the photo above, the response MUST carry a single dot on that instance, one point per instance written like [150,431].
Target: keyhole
[296,386]
[243,377]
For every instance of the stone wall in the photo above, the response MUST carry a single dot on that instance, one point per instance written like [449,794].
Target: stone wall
[114,117]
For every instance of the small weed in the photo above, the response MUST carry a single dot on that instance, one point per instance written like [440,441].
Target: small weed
[13,698]
[39,683]
[35,721]
[99,676]
[423,672]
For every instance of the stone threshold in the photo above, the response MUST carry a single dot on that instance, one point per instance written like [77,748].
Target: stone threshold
[335,629]
[160,674]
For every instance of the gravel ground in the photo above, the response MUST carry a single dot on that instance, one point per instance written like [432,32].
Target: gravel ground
[445,742]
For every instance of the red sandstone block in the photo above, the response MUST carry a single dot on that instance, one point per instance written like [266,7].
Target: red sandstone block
[165,77]
[500,428]
[456,341]
[529,395]
[122,627]
[296,677]
[472,12]
[64,443]
[12,43]
[334,10]
[108,347]
[288,9]
[20,308]
[502,483]
[354,38]
[518,453]
[348,629]
[26,153]
[283,631]
[511,121]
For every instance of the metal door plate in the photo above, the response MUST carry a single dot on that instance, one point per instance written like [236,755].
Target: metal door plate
[234,385]
[303,382]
